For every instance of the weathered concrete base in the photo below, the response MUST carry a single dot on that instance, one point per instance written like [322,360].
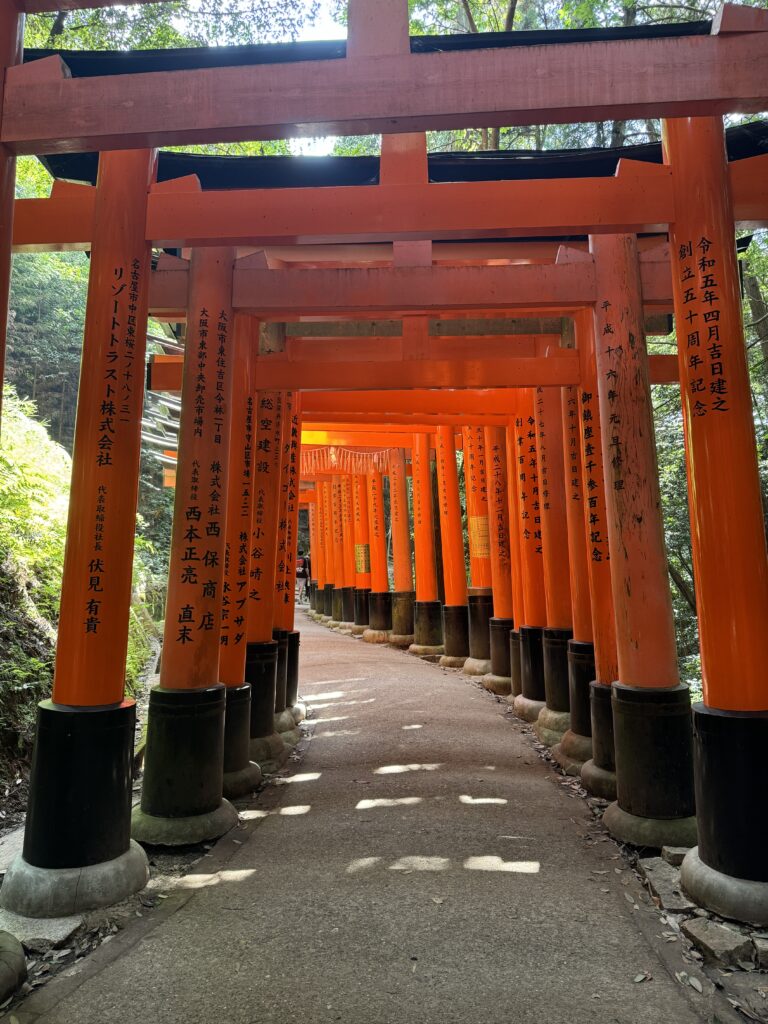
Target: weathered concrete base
[572,752]
[347,628]
[477,666]
[333,623]
[291,737]
[284,721]
[242,782]
[600,782]
[13,965]
[197,828]
[451,661]
[403,640]
[656,832]
[270,752]
[500,685]
[62,892]
[376,636]
[324,619]
[358,630]
[551,726]
[426,650]
[527,709]
[299,712]
[39,934]
[736,898]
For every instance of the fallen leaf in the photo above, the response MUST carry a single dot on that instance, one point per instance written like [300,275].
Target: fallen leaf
[695,983]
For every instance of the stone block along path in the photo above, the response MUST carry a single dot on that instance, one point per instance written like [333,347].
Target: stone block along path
[418,868]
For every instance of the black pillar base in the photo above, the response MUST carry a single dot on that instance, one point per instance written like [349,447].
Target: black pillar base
[313,595]
[292,676]
[327,608]
[456,633]
[337,605]
[403,616]
[728,873]
[529,704]
[581,673]
[261,673]
[654,767]
[427,628]
[554,719]
[281,674]
[241,775]
[361,606]
[78,853]
[599,773]
[515,671]
[555,652]
[575,748]
[480,610]
[181,798]
[380,611]
[347,604]
[79,809]
[499,679]
[731,796]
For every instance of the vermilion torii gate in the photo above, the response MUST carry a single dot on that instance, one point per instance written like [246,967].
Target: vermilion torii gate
[77,849]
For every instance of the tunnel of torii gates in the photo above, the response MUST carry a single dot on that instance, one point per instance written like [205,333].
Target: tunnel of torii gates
[346,322]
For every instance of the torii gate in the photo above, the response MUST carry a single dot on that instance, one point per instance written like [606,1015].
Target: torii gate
[380,85]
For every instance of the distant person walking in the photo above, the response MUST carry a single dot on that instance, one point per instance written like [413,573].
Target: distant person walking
[303,576]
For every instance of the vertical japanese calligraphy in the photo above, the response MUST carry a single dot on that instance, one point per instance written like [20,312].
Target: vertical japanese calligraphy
[96,584]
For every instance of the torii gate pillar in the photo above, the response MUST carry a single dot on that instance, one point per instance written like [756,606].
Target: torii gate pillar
[428,626]
[78,852]
[403,596]
[380,598]
[455,618]
[480,594]
[181,798]
[728,871]
[651,709]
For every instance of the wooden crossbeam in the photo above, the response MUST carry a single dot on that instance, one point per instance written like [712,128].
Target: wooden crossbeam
[401,92]
[394,291]
[628,202]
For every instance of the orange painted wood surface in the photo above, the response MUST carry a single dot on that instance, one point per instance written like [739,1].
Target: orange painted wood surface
[642,602]
[529,512]
[459,210]
[237,554]
[727,529]
[400,521]
[361,532]
[395,93]
[270,412]
[451,536]
[581,606]
[98,561]
[498,521]
[196,568]
[378,535]
[423,528]
[595,515]
[476,488]
[554,526]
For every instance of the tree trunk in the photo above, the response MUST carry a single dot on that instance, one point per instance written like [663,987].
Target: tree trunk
[758,309]
[686,591]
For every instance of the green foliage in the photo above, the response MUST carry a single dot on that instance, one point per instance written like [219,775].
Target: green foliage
[34,483]
[48,293]
[34,486]
[172,24]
